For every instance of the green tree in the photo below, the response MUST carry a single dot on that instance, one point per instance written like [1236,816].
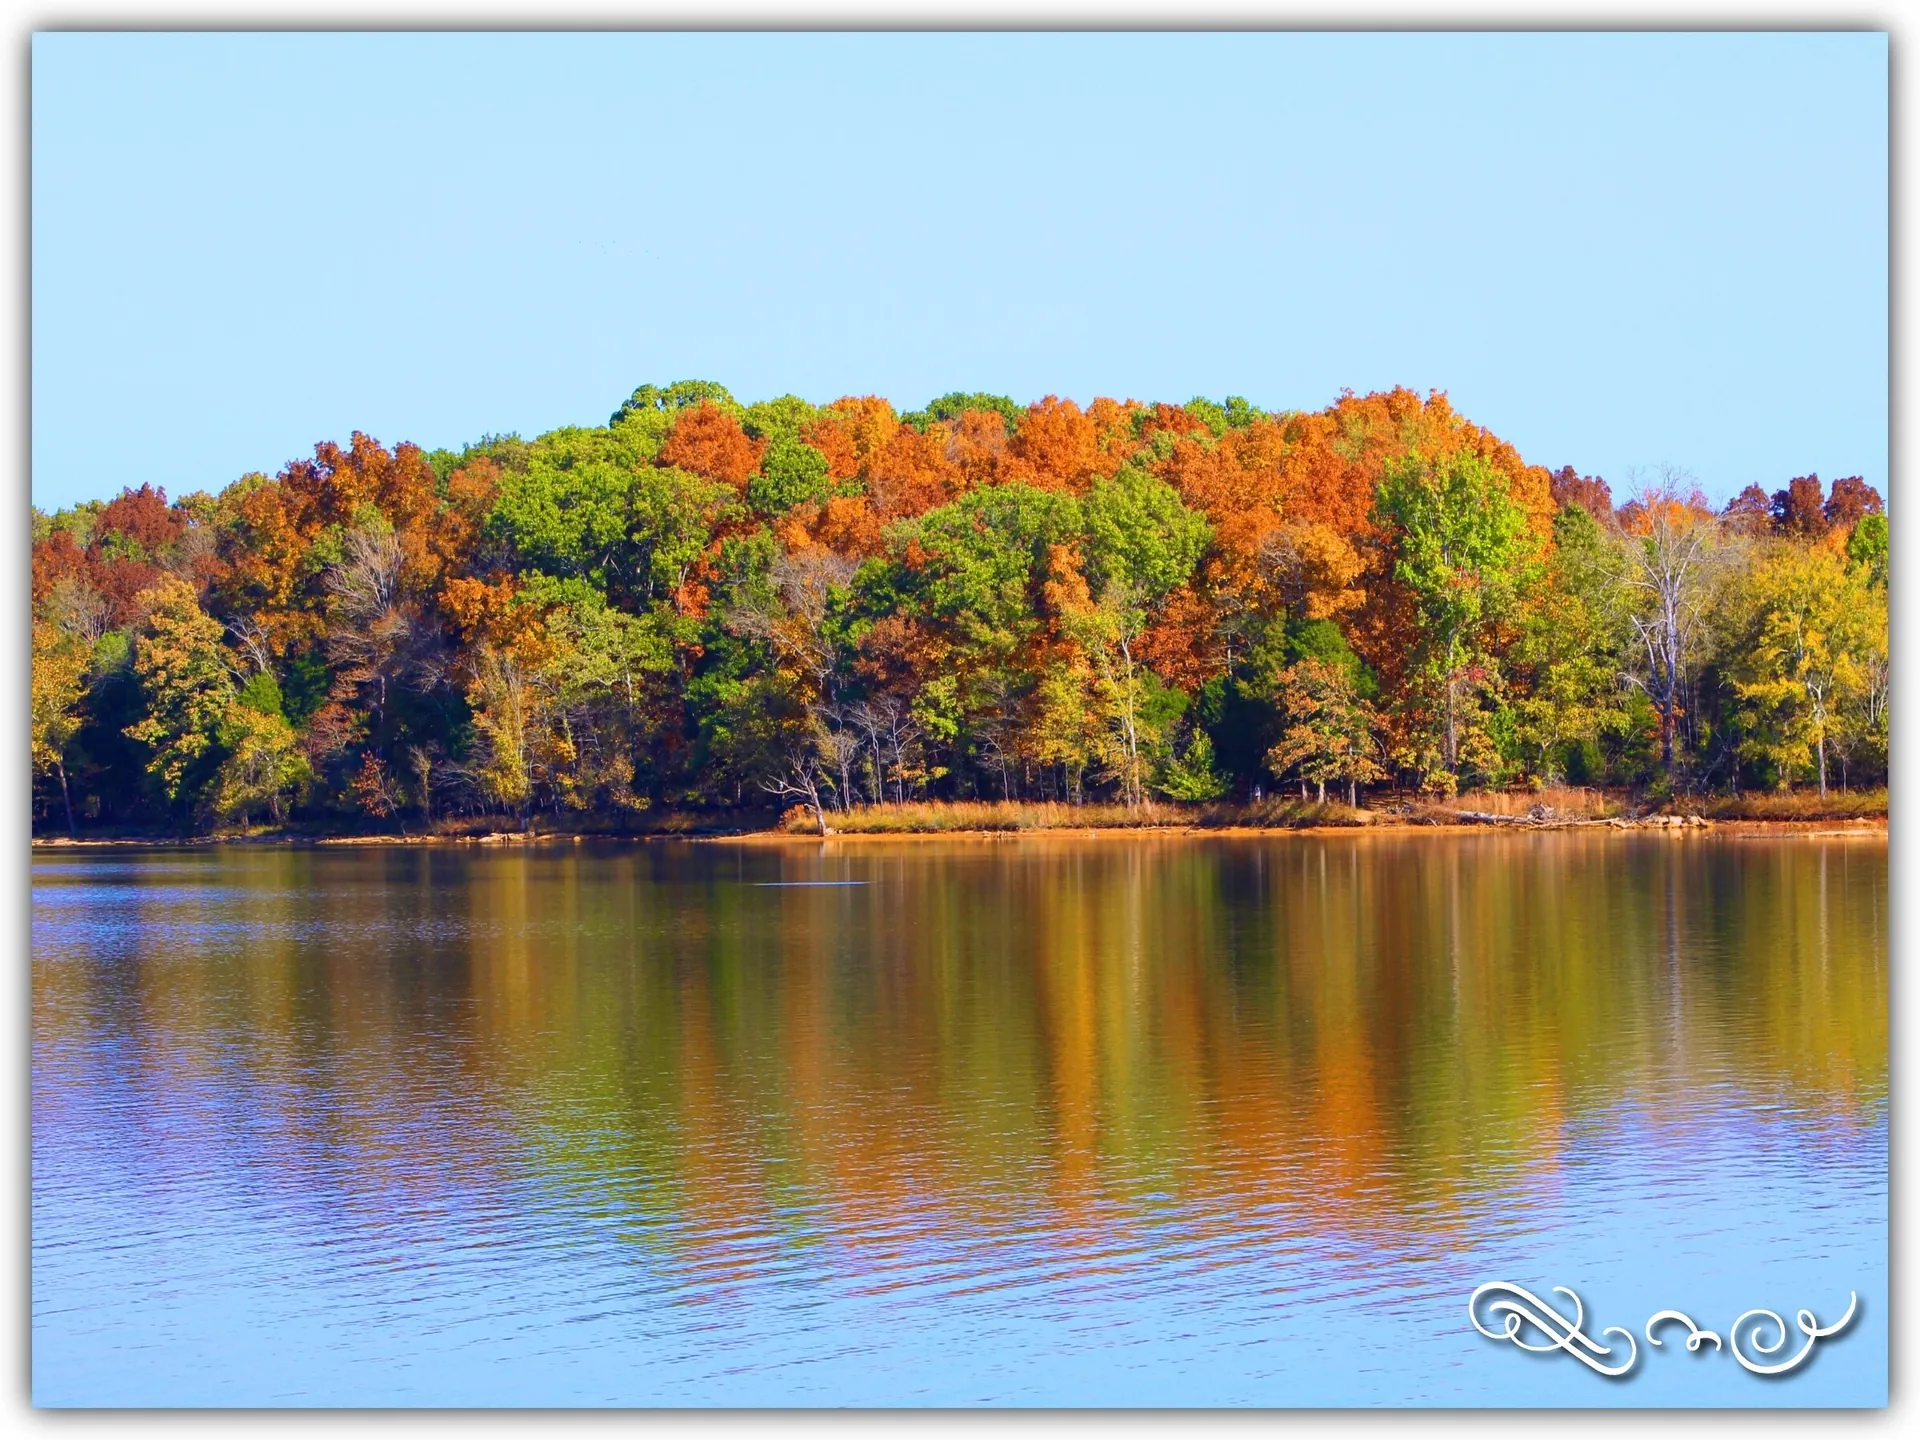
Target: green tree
[792,472]
[1191,775]
[1460,547]
[588,506]
[598,670]
[784,418]
[1140,536]
[972,576]
[569,510]
[956,403]
[976,566]
[1234,414]
[1572,647]
[666,400]
[1867,548]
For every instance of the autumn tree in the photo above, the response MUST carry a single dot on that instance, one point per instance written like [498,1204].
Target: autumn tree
[1802,659]
[506,720]
[1591,493]
[980,597]
[1750,513]
[1848,499]
[709,442]
[184,677]
[1798,510]
[59,685]
[1330,730]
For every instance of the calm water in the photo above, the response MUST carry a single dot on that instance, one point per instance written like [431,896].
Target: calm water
[1036,1122]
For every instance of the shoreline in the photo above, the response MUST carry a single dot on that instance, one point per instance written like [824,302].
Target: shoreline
[1852,827]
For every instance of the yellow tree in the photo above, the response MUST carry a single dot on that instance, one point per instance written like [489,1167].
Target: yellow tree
[184,677]
[1804,655]
[1330,729]
[1062,730]
[1088,695]
[506,705]
[263,762]
[1864,722]
[1114,690]
[59,685]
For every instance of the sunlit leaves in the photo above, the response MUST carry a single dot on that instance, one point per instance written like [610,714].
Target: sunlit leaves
[1139,534]
[183,672]
[978,598]
[792,473]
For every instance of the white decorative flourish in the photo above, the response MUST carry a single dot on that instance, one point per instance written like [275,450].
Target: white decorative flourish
[1520,1313]
[1520,1309]
[1808,1326]
[1696,1337]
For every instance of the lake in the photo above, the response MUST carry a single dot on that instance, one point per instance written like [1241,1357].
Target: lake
[1032,1121]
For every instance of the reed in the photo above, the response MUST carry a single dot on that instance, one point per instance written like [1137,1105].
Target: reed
[1559,801]
[1793,805]
[932,817]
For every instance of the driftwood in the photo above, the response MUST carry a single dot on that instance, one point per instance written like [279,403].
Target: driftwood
[1550,821]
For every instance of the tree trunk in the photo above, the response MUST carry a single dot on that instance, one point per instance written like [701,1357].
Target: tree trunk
[1453,731]
[60,769]
[1323,792]
[1821,745]
[1353,795]
[1668,702]
[1452,739]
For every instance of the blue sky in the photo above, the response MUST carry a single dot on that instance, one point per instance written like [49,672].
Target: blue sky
[1615,251]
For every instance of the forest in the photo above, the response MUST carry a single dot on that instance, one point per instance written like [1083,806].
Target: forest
[705,606]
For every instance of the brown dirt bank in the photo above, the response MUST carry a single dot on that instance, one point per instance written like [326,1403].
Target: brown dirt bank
[1873,828]
[1863,827]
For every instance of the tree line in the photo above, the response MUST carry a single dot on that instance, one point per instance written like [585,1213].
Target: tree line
[709,604]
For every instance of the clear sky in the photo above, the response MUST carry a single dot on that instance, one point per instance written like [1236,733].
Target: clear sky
[1616,251]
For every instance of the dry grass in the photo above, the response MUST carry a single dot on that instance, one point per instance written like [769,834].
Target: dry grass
[1282,814]
[608,823]
[933,817]
[1561,802]
[1792,805]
